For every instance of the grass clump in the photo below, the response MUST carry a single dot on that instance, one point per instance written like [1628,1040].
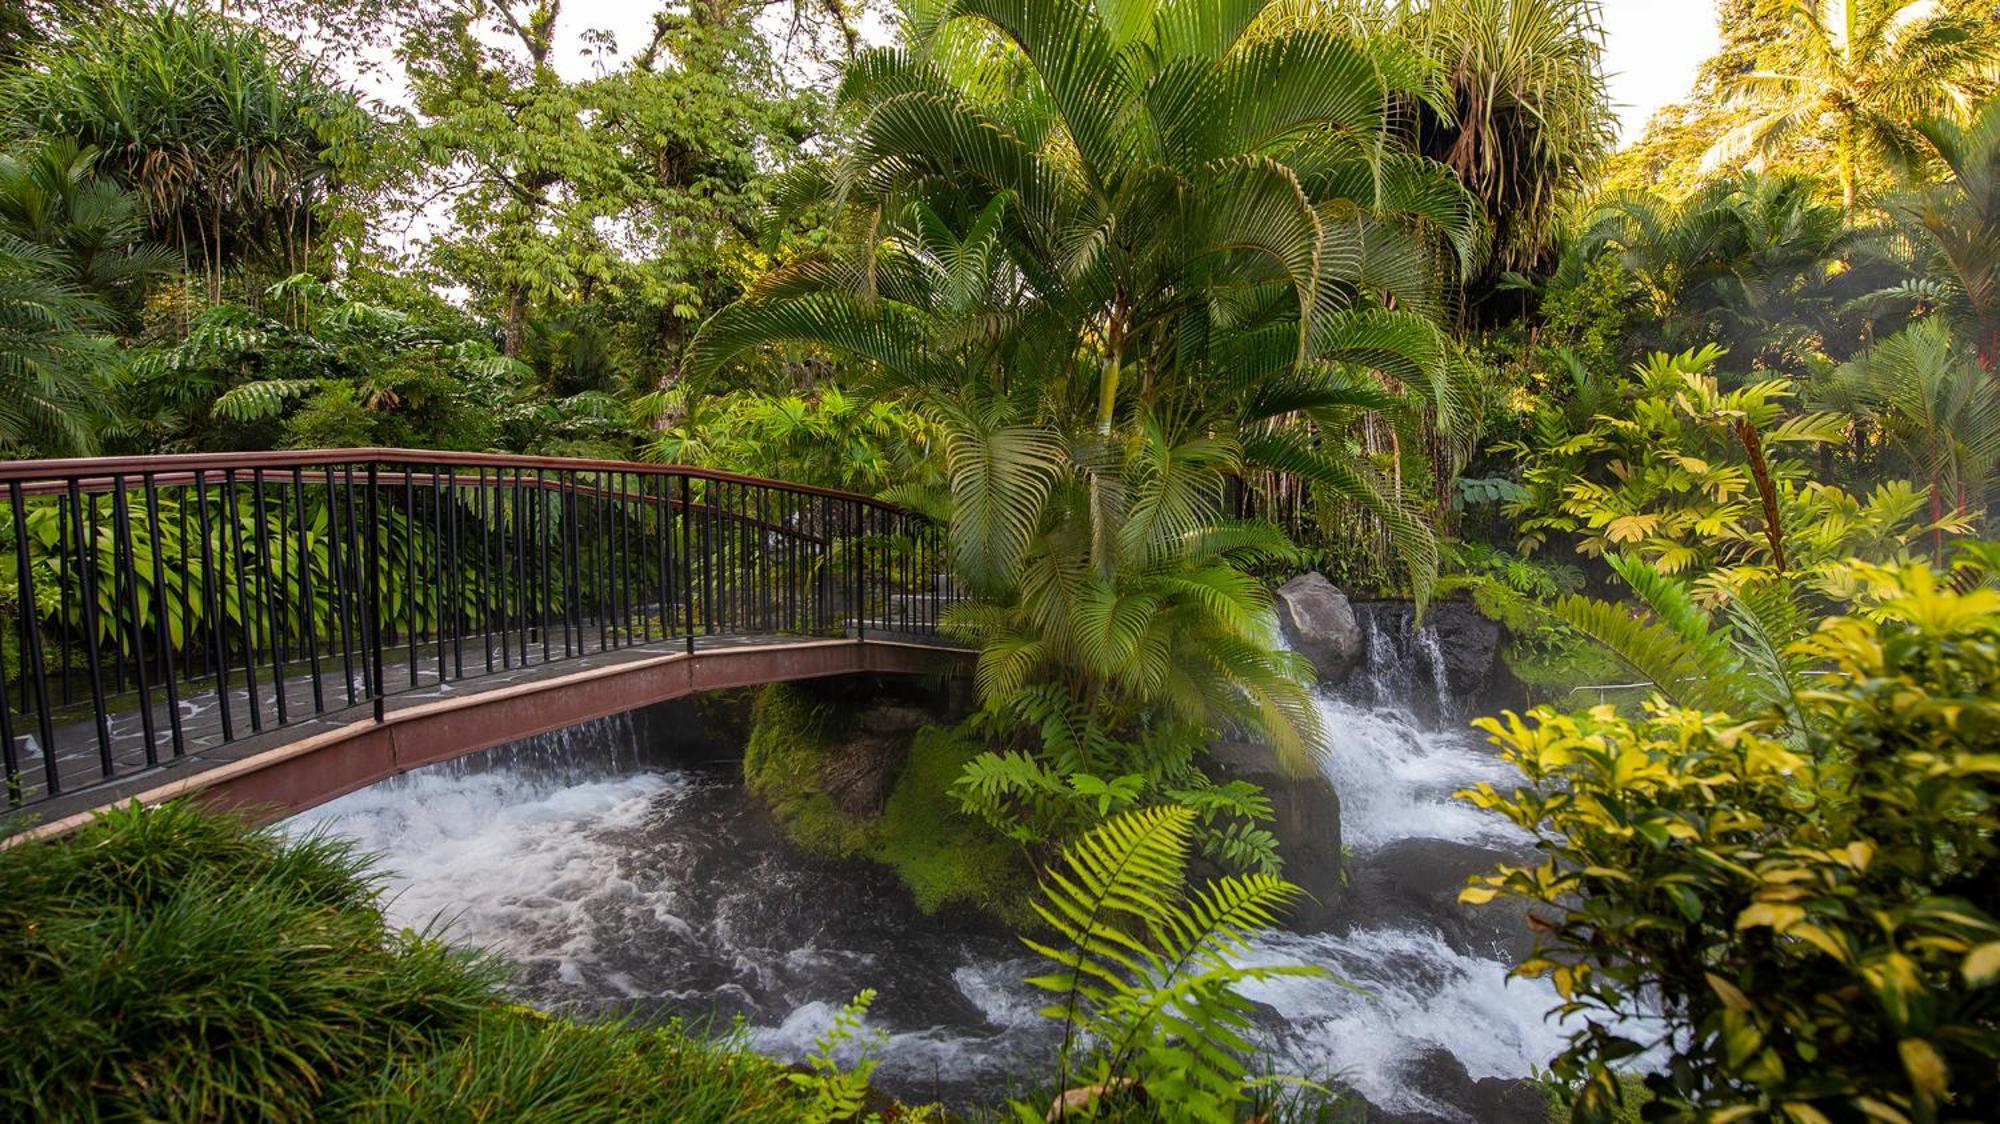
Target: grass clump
[944,857]
[520,1066]
[176,964]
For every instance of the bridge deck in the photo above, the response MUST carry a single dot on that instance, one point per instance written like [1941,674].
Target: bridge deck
[311,760]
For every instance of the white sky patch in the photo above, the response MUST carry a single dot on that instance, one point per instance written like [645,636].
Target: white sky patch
[1652,51]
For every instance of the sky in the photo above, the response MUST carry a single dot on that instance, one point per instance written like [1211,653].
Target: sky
[1652,50]
[1652,47]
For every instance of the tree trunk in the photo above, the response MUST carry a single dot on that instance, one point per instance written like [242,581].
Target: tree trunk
[515,328]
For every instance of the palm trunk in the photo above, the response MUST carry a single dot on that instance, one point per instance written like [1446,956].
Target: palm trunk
[1847,171]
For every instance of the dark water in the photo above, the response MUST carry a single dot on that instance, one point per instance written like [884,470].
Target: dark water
[623,883]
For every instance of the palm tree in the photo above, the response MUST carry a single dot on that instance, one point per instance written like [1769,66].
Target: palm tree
[1940,412]
[1857,75]
[49,356]
[1958,220]
[1124,253]
[1757,262]
[52,197]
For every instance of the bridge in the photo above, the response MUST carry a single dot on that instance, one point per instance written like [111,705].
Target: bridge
[275,629]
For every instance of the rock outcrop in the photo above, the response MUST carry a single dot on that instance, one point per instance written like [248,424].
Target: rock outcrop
[1307,824]
[860,769]
[1320,624]
[1471,646]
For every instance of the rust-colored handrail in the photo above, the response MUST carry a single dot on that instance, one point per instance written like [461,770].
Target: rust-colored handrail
[103,469]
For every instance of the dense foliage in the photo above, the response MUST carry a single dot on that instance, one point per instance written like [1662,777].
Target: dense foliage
[1152,303]
[1793,913]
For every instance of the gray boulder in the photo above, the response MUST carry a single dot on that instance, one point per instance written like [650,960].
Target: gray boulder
[1306,821]
[1319,623]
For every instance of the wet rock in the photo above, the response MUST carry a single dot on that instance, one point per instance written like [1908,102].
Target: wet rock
[1320,624]
[1471,646]
[1307,825]
[861,770]
[1419,879]
[1438,1077]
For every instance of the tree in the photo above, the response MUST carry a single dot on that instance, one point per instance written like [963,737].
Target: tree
[1957,224]
[1755,262]
[1856,75]
[1526,122]
[630,192]
[233,142]
[1121,255]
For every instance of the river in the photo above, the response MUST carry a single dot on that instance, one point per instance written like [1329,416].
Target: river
[626,877]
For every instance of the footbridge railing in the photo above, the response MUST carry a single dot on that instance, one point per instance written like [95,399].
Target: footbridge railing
[155,606]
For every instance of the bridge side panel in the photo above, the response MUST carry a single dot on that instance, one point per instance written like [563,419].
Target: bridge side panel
[292,779]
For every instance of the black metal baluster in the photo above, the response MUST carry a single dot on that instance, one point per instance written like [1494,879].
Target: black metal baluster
[572,536]
[687,559]
[271,607]
[87,591]
[63,615]
[372,592]
[211,595]
[233,529]
[604,594]
[662,558]
[165,631]
[308,608]
[412,603]
[543,537]
[124,560]
[441,565]
[341,550]
[31,640]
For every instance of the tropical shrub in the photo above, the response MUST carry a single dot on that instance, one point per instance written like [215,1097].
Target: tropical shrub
[342,369]
[1780,917]
[828,437]
[1673,469]
[175,965]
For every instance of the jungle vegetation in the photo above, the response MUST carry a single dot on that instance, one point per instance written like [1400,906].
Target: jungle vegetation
[1153,304]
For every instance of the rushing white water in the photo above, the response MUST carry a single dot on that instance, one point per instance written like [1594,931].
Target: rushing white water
[661,891]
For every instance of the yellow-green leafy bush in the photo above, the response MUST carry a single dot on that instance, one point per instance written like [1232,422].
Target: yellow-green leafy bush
[1799,923]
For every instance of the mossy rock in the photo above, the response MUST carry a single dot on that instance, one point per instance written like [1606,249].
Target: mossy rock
[869,781]
[791,738]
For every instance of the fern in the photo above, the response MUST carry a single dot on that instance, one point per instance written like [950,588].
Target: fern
[836,1095]
[1146,970]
